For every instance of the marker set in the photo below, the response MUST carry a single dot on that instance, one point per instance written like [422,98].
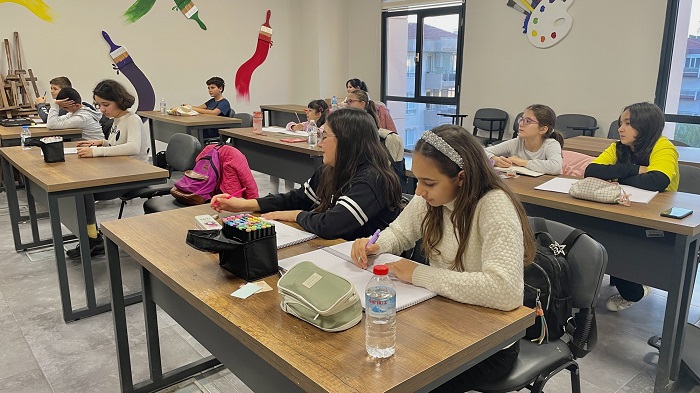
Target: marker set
[246,227]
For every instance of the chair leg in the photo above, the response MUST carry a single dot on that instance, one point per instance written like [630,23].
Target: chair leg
[575,378]
[121,210]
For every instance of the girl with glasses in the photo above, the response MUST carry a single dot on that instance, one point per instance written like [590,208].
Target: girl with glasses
[537,147]
[384,119]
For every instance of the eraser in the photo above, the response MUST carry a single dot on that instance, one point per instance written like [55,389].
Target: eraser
[206,221]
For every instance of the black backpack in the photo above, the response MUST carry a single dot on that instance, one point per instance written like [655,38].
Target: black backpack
[548,285]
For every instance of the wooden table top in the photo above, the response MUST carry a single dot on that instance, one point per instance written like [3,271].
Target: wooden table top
[191,121]
[638,214]
[288,108]
[593,146]
[37,132]
[271,139]
[433,337]
[76,173]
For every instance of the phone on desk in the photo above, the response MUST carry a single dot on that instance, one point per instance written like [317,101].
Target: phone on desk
[676,212]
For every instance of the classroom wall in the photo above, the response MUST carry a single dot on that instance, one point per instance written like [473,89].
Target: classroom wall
[609,59]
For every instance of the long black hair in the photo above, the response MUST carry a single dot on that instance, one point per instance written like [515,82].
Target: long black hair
[357,83]
[357,144]
[649,121]
[321,107]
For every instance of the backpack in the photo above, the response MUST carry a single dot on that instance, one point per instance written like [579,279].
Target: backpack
[548,285]
[398,166]
[199,184]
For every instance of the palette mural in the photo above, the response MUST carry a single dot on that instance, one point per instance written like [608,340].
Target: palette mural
[125,64]
[547,22]
[37,7]
[245,71]
[141,7]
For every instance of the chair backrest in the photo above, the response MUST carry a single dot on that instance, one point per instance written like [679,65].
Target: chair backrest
[587,260]
[232,113]
[565,122]
[678,143]
[490,125]
[516,126]
[689,179]
[182,151]
[613,132]
[246,119]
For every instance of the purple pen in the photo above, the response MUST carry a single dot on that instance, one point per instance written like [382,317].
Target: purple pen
[374,238]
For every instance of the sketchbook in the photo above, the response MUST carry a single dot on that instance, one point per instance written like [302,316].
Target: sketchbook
[563,184]
[520,170]
[289,236]
[336,259]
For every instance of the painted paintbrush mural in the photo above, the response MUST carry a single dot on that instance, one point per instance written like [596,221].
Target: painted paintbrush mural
[125,64]
[38,7]
[245,71]
[547,22]
[141,7]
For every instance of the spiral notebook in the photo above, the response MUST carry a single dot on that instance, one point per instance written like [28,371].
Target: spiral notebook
[336,259]
[289,236]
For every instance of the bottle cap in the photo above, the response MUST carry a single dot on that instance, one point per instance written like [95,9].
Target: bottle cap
[381,270]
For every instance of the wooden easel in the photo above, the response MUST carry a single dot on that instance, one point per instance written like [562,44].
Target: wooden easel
[16,98]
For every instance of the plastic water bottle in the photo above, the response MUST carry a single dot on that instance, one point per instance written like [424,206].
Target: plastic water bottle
[163,107]
[24,135]
[380,314]
[334,104]
[312,131]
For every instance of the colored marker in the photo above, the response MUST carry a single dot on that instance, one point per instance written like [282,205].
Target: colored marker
[373,239]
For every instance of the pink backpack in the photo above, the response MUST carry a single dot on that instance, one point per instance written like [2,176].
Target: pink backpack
[198,185]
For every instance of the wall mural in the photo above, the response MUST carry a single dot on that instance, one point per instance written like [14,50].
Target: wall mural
[245,71]
[38,7]
[125,64]
[547,22]
[141,7]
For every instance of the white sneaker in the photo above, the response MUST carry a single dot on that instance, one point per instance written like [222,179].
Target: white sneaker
[617,303]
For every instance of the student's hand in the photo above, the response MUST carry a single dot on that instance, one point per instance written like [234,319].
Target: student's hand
[501,162]
[89,143]
[40,100]
[298,127]
[360,250]
[403,269]
[286,215]
[225,202]
[85,152]
[65,103]
[517,161]
[642,169]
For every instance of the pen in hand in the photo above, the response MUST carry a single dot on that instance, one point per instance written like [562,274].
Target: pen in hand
[236,194]
[373,239]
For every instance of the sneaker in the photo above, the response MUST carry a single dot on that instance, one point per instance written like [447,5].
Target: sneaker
[97,247]
[618,303]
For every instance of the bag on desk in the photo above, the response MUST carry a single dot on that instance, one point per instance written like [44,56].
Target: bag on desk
[320,297]
[598,190]
[183,110]
[250,261]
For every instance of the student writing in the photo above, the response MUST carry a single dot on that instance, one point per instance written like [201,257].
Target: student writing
[474,232]
[55,84]
[350,196]
[537,147]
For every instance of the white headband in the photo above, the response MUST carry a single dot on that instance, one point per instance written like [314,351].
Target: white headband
[443,147]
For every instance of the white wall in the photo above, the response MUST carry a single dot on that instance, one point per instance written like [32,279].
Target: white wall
[609,59]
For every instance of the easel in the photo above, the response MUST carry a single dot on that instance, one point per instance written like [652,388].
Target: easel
[15,95]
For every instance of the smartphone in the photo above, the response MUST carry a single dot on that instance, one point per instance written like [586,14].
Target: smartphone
[676,212]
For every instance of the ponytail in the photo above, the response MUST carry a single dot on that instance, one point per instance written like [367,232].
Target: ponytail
[556,135]
[320,106]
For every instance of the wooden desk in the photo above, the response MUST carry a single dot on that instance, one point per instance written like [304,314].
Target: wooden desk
[267,154]
[9,136]
[594,146]
[274,351]
[194,125]
[61,187]
[280,115]
[667,262]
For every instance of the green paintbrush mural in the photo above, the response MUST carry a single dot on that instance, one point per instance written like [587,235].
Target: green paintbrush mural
[141,7]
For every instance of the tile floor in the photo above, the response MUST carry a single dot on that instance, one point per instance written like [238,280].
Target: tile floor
[40,353]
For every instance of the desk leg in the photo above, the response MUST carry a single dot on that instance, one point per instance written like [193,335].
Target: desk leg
[153,141]
[678,299]
[12,202]
[84,252]
[155,367]
[63,286]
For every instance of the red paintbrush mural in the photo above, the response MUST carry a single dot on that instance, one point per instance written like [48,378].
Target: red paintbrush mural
[245,71]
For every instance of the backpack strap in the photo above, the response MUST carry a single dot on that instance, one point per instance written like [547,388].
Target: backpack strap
[583,331]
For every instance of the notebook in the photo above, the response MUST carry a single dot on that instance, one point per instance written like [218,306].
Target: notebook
[289,236]
[562,185]
[336,259]
[283,130]
[520,170]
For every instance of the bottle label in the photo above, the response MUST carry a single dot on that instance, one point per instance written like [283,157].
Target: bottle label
[379,306]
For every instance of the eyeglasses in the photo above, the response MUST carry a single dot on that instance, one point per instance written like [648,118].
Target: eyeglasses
[527,121]
[349,101]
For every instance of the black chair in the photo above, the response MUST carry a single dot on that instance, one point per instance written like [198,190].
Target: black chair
[246,119]
[613,132]
[536,364]
[516,124]
[180,155]
[571,125]
[679,143]
[490,120]
[457,119]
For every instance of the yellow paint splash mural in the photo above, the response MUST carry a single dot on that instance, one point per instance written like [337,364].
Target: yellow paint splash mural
[38,7]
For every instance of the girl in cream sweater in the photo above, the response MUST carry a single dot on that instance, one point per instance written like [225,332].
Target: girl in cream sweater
[474,231]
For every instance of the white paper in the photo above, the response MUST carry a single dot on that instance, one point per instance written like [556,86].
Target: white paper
[521,170]
[289,236]
[282,130]
[562,185]
[42,125]
[66,150]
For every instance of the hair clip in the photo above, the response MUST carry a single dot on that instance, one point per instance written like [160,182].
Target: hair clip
[443,147]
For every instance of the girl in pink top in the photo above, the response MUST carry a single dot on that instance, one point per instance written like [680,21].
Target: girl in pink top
[316,111]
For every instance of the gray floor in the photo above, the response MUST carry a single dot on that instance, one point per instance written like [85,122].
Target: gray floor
[41,353]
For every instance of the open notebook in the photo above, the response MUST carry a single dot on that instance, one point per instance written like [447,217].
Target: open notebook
[520,170]
[289,236]
[336,259]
